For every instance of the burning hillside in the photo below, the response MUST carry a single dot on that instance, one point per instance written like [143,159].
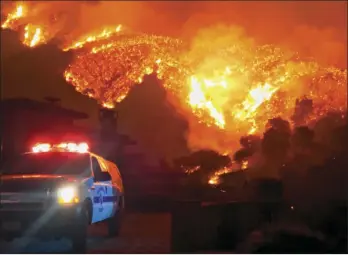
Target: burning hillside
[224,83]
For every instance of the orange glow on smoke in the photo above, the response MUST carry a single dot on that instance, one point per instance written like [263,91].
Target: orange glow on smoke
[224,83]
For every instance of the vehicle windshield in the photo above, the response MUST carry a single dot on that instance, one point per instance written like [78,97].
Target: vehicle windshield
[52,163]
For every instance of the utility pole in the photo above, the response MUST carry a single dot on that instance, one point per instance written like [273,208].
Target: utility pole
[1,126]
[109,142]
[108,123]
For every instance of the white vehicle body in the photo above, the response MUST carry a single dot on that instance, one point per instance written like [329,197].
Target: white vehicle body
[57,198]
[107,196]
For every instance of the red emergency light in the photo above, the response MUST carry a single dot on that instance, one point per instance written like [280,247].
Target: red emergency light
[69,147]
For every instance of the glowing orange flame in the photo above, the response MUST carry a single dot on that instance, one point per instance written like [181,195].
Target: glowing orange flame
[255,98]
[108,105]
[33,35]
[198,99]
[215,178]
[221,80]
[191,170]
[237,98]
[106,33]
[18,13]
[244,165]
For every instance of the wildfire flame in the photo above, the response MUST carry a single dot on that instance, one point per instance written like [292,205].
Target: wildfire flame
[108,105]
[215,178]
[199,99]
[255,98]
[244,165]
[228,83]
[18,13]
[33,35]
[106,33]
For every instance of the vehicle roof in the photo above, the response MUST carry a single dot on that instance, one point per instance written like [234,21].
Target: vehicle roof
[72,152]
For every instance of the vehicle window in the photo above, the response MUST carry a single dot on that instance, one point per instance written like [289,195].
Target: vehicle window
[99,175]
[49,163]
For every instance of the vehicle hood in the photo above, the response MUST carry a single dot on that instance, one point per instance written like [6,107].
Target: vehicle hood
[22,183]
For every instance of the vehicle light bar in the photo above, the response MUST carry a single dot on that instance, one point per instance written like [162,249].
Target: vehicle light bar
[70,147]
[42,147]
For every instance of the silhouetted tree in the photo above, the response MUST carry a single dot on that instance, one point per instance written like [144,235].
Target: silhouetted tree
[280,125]
[250,144]
[324,127]
[275,145]
[303,108]
[242,155]
[339,139]
[302,139]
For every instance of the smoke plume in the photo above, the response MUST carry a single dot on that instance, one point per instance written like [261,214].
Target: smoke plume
[316,30]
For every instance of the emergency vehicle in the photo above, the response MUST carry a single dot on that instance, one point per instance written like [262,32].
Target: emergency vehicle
[56,191]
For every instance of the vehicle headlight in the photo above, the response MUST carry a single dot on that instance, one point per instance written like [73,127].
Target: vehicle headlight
[67,195]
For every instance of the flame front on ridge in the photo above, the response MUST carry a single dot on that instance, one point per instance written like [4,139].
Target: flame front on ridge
[223,81]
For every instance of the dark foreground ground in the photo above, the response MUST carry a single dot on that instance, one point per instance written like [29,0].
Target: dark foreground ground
[146,232]
[147,228]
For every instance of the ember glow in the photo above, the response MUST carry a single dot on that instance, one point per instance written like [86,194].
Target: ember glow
[222,81]
[107,71]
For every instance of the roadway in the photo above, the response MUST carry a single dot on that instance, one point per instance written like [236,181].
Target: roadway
[141,233]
